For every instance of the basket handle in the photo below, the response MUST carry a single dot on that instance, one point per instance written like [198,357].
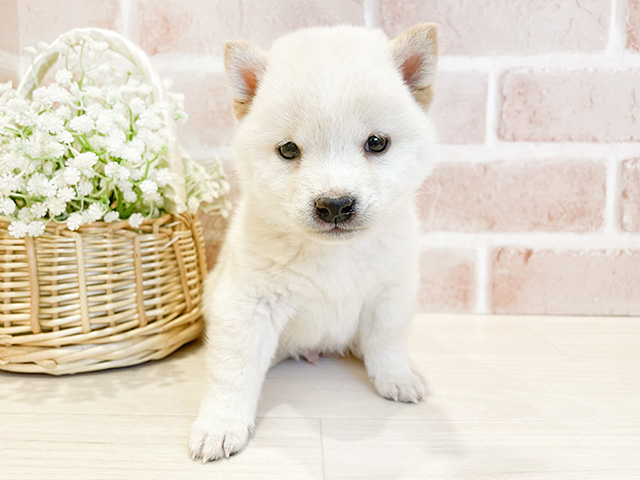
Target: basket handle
[176,194]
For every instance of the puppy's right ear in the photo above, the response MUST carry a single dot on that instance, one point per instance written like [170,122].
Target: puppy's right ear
[245,64]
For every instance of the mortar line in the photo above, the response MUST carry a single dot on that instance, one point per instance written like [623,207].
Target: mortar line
[371,12]
[483,279]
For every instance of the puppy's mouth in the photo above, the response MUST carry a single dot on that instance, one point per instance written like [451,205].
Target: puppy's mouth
[344,230]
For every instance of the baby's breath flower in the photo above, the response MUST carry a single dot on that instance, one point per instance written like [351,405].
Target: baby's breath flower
[66,194]
[71,175]
[162,176]
[193,204]
[136,220]
[35,229]
[64,77]
[39,209]
[111,216]
[56,206]
[93,213]
[84,188]
[137,105]
[64,112]
[71,152]
[130,195]
[74,221]
[82,124]
[7,206]
[9,183]
[18,229]
[148,186]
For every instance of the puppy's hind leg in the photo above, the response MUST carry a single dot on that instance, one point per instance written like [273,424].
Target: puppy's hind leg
[241,340]
[384,335]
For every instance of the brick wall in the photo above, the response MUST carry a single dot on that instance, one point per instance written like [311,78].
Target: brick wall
[536,205]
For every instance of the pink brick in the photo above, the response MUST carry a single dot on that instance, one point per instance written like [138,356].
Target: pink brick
[266,21]
[202,26]
[44,20]
[459,107]
[540,195]
[9,23]
[633,25]
[575,106]
[208,105]
[447,281]
[485,27]
[196,26]
[566,282]
[630,196]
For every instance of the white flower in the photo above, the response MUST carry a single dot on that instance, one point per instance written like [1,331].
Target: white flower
[9,183]
[152,199]
[84,163]
[162,176]
[47,168]
[54,150]
[137,106]
[193,204]
[35,183]
[24,214]
[93,213]
[63,112]
[71,175]
[66,194]
[18,229]
[116,171]
[149,119]
[84,188]
[112,216]
[64,77]
[136,220]
[56,206]
[50,122]
[7,206]
[74,221]
[64,136]
[35,229]
[148,186]
[82,124]
[39,209]
[130,195]
[47,96]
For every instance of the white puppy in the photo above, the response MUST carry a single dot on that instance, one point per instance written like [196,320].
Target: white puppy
[333,142]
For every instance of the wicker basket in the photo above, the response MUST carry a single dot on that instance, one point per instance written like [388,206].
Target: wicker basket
[105,295]
[101,297]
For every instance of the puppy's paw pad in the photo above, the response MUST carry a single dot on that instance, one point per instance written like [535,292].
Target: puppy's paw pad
[211,439]
[406,387]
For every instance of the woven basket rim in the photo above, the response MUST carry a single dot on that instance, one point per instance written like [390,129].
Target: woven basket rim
[148,224]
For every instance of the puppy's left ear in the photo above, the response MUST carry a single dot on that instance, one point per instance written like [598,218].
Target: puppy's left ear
[415,52]
[245,64]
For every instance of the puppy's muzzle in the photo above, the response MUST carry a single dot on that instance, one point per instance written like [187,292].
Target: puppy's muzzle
[335,210]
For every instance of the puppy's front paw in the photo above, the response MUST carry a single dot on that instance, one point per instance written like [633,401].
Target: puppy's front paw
[214,437]
[404,387]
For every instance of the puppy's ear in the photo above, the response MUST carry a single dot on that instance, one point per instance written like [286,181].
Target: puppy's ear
[245,64]
[415,52]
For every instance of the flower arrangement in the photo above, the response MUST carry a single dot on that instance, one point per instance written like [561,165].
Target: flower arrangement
[92,145]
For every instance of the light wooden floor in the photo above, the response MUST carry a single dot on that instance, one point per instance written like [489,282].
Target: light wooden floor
[510,398]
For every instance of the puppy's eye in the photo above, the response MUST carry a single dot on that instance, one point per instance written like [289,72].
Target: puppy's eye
[376,144]
[289,151]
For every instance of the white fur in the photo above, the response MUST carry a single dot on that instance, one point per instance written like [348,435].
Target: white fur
[283,285]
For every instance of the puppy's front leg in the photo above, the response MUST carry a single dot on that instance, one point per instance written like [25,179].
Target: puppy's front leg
[384,335]
[241,340]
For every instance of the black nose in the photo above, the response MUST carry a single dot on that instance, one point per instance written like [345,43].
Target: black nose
[334,210]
